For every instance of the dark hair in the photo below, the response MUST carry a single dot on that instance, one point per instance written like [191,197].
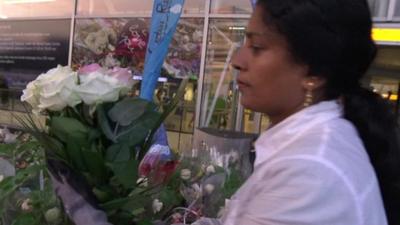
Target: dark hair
[333,37]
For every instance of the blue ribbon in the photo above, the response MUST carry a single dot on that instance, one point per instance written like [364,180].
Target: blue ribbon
[165,17]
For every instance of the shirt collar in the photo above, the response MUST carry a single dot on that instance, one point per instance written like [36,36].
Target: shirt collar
[269,141]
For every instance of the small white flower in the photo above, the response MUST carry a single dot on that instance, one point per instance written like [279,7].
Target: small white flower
[210,169]
[186,174]
[142,182]
[26,205]
[1,177]
[234,156]
[53,215]
[209,188]
[157,206]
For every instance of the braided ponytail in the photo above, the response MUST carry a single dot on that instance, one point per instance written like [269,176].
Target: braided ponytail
[378,128]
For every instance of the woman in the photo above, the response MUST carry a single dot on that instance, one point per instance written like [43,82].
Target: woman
[331,154]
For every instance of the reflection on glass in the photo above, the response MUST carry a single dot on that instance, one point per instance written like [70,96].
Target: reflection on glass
[384,75]
[55,8]
[397,9]
[220,96]
[379,8]
[231,6]
[251,121]
[122,42]
[265,122]
[129,7]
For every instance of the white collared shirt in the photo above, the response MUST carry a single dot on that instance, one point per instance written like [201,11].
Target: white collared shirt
[311,169]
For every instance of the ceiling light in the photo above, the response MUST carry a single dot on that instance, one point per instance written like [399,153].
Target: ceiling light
[237,28]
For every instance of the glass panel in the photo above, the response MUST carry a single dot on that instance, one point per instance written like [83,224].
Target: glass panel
[379,8]
[36,8]
[231,6]
[122,42]
[264,123]
[384,75]
[220,95]
[251,124]
[129,7]
[397,9]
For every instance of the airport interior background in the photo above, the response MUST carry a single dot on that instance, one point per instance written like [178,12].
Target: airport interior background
[37,35]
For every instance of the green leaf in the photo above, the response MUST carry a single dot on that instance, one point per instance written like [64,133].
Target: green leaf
[104,123]
[145,222]
[139,130]
[169,197]
[137,212]
[93,135]
[136,203]
[126,172]
[118,152]
[65,128]
[233,182]
[95,165]
[75,135]
[25,219]
[129,109]
[114,204]
[6,150]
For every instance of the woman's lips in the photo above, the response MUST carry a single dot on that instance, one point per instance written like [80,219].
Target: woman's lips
[241,85]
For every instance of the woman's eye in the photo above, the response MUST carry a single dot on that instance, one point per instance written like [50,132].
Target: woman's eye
[256,49]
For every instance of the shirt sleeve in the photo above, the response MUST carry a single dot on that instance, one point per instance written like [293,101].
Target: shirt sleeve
[295,192]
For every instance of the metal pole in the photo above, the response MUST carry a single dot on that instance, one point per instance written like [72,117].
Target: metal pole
[200,81]
[71,33]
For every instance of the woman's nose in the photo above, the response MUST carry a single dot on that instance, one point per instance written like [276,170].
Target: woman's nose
[237,61]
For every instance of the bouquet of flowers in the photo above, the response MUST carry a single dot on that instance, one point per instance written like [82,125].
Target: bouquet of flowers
[95,136]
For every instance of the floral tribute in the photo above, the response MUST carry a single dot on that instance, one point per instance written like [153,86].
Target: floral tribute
[97,132]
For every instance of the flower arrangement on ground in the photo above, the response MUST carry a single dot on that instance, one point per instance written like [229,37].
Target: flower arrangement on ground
[26,194]
[202,183]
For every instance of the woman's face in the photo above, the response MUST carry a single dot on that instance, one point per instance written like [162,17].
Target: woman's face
[269,80]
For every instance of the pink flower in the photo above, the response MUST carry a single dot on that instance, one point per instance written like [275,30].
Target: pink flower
[89,69]
[121,74]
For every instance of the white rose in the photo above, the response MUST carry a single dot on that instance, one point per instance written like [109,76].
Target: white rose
[186,174]
[52,90]
[157,206]
[209,188]
[210,169]
[31,95]
[96,88]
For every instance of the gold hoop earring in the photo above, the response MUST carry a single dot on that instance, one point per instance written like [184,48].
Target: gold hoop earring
[308,99]
[309,94]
